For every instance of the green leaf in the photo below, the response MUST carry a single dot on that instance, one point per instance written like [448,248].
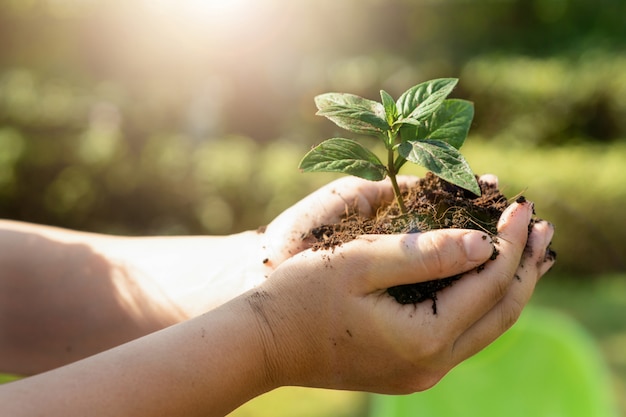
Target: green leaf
[391,110]
[443,159]
[346,156]
[422,100]
[353,113]
[450,123]
[407,131]
[399,163]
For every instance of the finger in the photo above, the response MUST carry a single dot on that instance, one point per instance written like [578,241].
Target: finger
[354,193]
[366,196]
[544,258]
[549,256]
[330,203]
[533,265]
[383,261]
[479,291]
[489,179]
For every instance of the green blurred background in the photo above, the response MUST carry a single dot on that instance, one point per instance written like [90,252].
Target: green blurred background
[189,117]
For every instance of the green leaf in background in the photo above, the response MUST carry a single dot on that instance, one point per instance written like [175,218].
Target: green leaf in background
[450,123]
[353,113]
[443,159]
[391,110]
[422,100]
[345,156]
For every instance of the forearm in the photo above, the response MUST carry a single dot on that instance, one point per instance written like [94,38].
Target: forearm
[203,367]
[65,295]
[60,299]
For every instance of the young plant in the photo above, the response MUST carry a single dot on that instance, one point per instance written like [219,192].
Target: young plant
[422,127]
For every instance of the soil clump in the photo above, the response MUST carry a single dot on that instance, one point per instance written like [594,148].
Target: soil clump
[432,204]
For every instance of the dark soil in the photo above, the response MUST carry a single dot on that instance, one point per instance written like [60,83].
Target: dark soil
[432,204]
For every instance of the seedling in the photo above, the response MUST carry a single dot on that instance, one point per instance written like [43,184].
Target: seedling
[422,127]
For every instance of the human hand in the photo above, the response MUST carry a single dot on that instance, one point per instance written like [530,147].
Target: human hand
[283,237]
[323,320]
[329,322]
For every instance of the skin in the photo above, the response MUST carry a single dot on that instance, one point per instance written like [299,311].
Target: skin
[320,319]
[84,293]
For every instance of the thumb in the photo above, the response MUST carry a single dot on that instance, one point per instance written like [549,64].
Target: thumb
[389,260]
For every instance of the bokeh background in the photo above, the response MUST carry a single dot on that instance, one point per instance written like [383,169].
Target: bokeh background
[158,117]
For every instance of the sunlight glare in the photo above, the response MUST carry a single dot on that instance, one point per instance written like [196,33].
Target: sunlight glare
[204,10]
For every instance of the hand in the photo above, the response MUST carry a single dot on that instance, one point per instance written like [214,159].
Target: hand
[283,236]
[323,320]
[329,322]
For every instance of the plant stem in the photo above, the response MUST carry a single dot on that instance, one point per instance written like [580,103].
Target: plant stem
[391,171]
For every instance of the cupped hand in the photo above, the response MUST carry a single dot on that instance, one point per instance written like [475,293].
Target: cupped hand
[329,322]
[283,237]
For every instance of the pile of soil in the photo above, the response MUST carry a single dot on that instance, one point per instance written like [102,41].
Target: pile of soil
[432,204]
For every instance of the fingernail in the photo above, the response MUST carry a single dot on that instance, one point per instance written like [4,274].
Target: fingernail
[520,204]
[545,229]
[478,246]
[530,206]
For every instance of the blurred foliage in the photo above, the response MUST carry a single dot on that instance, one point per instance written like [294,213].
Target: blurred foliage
[176,117]
[549,101]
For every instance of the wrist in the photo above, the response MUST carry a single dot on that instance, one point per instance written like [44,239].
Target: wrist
[242,360]
[291,346]
[235,265]
[191,275]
